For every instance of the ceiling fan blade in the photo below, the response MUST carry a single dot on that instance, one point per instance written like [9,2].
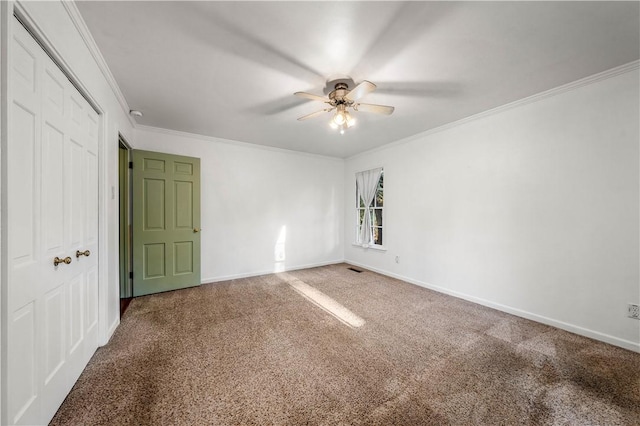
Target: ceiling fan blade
[377,109]
[313,114]
[360,90]
[311,96]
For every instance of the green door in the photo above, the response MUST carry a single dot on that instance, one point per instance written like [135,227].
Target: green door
[166,222]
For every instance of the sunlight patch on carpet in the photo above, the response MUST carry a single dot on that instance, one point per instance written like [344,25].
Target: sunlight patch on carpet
[323,301]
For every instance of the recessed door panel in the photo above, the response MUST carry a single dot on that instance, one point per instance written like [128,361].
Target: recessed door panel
[75,311]
[91,198]
[183,168]
[23,372]
[154,199]
[76,111]
[54,333]
[92,132]
[154,165]
[22,198]
[183,205]
[154,261]
[54,92]
[53,188]
[183,257]
[91,303]
[24,65]
[75,185]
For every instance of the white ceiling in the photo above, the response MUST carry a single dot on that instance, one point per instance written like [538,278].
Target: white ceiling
[229,69]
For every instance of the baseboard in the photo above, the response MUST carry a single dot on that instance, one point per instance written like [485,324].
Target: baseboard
[623,343]
[266,272]
[110,331]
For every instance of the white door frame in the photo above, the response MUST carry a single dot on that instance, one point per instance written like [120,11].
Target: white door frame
[7,10]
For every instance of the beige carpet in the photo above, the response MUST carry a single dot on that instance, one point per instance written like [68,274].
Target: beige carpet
[266,350]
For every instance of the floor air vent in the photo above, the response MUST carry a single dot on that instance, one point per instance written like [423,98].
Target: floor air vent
[355,270]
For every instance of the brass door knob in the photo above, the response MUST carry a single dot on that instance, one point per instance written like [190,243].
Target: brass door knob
[196,230]
[57,261]
[83,253]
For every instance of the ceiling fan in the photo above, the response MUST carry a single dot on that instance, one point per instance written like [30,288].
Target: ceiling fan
[341,99]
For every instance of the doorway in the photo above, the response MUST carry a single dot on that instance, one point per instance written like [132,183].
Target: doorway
[126,218]
[159,212]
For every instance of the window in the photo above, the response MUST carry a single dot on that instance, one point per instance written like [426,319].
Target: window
[369,232]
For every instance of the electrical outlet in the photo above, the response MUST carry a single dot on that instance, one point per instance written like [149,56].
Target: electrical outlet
[397,259]
[633,311]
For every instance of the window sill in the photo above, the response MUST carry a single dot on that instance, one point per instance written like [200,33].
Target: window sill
[372,247]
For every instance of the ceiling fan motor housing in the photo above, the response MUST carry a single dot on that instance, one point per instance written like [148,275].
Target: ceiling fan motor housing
[337,95]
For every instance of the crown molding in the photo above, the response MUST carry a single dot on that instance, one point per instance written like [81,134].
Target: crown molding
[196,136]
[586,81]
[85,34]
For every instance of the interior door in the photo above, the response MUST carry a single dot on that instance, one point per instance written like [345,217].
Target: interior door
[166,222]
[52,213]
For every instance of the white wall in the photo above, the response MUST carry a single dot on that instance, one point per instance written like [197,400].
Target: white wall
[55,25]
[532,209]
[250,194]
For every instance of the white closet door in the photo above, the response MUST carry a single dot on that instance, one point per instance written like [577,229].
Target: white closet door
[52,210]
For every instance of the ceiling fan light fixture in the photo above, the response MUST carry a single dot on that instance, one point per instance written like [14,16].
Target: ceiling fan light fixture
[340,117]
[349,120]
[342,120]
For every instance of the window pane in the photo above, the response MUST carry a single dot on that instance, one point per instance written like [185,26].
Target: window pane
[380,192]
[377,236]
[361,216]
[377,219]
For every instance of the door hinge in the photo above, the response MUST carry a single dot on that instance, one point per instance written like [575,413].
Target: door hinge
[131,164]
[131,275]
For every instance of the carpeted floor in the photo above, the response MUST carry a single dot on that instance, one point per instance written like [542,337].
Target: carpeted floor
[267,351]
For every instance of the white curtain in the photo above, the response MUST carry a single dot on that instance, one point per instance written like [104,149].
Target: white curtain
[367,184]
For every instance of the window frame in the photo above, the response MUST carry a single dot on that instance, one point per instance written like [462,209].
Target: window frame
[374,207]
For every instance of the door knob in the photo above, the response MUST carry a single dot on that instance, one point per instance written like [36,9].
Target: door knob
[57,261]
[196,229]
[83,253]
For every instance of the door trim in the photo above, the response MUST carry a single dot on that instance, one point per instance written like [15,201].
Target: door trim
[125,221]
[5,32]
